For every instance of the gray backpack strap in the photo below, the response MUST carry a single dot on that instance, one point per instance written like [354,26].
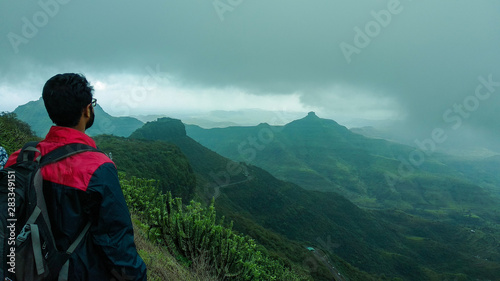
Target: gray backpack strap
[63,274]
[66,151]
[37,249]
[40,202]
[27,227]
[36,212]
[79,239]
[28,152]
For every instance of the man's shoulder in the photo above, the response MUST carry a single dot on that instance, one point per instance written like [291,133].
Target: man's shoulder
[77,170]
[88,162]
[95,158]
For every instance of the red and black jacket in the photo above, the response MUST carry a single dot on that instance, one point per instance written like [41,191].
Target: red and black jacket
[81,188]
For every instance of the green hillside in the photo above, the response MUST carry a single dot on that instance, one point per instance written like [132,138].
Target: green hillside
[34,113]
[484,172]
[392,243]
[153,160]
[319,154]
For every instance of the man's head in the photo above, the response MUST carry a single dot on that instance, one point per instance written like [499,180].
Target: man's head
[67,97]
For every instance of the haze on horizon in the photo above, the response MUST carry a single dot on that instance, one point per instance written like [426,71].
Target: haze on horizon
[423,64]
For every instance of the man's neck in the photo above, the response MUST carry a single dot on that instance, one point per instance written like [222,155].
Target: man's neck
[80,127]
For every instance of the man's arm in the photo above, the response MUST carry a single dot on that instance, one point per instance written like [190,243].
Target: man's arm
[112,230]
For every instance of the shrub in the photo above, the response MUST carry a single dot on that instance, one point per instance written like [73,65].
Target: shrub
[192,234]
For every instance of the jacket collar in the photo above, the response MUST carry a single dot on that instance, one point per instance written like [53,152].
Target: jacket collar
[65,135]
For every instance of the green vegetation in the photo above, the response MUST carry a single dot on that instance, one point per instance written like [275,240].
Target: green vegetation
[192,234]
[160,263]
[14,133]
[161,161]
[483,172]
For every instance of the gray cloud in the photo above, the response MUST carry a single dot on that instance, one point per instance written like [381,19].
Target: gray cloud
[422,61]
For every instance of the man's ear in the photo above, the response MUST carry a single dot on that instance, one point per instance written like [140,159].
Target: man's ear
[87,111]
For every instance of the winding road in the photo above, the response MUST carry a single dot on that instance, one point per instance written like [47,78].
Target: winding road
[320,256]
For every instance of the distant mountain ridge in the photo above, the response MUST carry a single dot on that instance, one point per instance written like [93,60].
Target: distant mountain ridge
[35,114]
[389,242]
[319,154]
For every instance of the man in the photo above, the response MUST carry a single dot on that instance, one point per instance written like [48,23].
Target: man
[85,187]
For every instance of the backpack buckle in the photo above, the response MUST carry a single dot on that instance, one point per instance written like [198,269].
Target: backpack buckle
[25,232]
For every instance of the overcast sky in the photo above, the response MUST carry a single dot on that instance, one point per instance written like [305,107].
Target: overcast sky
[418,61]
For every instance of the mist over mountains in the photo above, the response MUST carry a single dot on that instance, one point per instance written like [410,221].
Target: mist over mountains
[462,142]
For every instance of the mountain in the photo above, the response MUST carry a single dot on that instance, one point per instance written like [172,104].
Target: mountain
[315,153]
[34,113]
[245,117]
[362,244]
[319,154]
[152,160]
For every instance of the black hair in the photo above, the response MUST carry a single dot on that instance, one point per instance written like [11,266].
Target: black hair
[65,96]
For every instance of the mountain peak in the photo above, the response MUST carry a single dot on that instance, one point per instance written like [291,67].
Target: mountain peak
[313,125]
[164,128]
[312,114]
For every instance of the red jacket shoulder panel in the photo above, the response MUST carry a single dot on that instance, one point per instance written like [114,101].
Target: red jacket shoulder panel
[75,171]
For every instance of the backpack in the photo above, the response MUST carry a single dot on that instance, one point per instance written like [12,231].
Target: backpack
[27,246]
